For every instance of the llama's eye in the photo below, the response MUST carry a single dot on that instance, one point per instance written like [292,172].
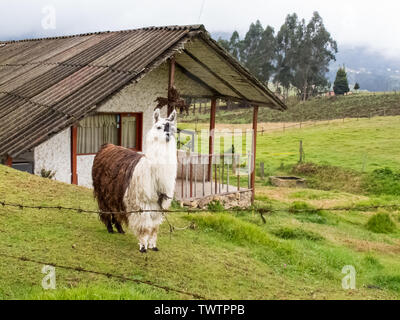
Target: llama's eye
[158,128]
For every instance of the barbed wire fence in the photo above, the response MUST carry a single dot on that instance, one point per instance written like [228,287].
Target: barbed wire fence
[172,228]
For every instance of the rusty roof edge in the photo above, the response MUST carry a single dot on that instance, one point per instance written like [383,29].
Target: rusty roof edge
[192,27]
[240,68]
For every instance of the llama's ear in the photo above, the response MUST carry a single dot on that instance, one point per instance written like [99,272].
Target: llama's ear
[156,115]
[172,116]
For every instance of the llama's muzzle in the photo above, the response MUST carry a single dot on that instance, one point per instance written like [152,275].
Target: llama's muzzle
[167,131]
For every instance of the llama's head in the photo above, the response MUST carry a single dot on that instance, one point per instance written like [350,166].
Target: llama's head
[163,129]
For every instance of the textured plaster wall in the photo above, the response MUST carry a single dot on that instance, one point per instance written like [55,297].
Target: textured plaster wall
[55,154]
[84,170]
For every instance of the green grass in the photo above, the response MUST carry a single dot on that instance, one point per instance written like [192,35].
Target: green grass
[363,145]
[223,256]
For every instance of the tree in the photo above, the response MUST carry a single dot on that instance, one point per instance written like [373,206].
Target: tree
[315,50]
[257,51]
[341,85]
[233,45]
[286,44]
[356,86]
[297,57]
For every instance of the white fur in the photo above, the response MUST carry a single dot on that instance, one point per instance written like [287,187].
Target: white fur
[155,173]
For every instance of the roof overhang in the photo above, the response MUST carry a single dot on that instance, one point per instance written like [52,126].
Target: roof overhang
[47,85]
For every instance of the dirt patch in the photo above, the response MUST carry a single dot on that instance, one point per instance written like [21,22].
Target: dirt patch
[284,195]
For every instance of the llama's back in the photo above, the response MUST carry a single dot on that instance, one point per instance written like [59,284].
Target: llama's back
[112,171]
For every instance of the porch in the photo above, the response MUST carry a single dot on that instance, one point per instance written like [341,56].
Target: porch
[202,178]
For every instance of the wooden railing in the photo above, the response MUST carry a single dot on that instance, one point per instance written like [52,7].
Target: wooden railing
[201,175]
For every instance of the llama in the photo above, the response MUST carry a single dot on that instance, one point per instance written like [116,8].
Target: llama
[126,180]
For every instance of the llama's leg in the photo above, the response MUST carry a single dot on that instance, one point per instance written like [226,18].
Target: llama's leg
[143,241]
[117,224]
[153,239]
[119,228]
[107,220]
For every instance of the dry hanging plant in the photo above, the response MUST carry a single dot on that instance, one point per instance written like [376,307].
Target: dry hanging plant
[174,100]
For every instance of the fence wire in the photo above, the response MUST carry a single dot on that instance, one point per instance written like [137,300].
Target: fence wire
[261,211]
[106,274]
[255,209]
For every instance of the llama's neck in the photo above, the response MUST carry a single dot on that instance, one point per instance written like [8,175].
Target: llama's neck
[162,160]
[162,153]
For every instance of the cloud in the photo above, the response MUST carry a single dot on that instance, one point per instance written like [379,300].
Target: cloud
[369,23]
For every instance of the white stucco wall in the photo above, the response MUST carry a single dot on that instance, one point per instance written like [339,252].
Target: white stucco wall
[55,154]
[84,170]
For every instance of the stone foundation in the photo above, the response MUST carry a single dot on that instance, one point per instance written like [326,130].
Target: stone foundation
[229,200]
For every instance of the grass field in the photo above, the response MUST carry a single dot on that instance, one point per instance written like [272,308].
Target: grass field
[226,256]
[294,255]
[362,145]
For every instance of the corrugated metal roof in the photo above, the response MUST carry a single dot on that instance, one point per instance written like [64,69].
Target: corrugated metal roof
[48,84]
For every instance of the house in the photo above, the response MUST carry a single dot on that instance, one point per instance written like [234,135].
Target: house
[62,97]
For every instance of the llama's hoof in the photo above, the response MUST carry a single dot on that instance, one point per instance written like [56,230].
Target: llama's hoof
[121,231]
[155,249]
[143,250]
[110,230]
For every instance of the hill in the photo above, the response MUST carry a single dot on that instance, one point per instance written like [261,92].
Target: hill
[363,105]
[224,256]
[371,69]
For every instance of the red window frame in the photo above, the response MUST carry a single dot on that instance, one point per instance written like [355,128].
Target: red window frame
[139,130]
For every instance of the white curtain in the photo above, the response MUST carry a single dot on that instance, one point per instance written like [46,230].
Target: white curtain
[93,131]
[128,132]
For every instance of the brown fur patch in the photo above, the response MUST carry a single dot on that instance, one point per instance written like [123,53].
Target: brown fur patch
[112,171]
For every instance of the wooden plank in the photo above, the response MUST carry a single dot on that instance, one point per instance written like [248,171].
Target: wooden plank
[226,83]
[9,161]
[211,138]
[171,80]
[74,149]
[199,81]
[254,149]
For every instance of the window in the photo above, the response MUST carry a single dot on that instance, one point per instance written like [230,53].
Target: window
[119,129]
[128,131]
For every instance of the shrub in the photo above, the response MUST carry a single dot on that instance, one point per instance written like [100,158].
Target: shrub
[289,233]
[215,206]
[297,206]
[383,181]
[381,223]
[47,173]
[326,177]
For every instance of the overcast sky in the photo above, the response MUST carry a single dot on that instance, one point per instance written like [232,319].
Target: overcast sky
[357,22]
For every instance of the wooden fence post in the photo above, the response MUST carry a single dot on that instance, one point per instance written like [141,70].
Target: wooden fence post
[301,151]
[262,170]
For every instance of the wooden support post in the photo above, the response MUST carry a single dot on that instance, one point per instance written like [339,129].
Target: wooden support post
[171,80]
[254,149]
[9,161]
[191,178]
[74,149]
[211,138]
